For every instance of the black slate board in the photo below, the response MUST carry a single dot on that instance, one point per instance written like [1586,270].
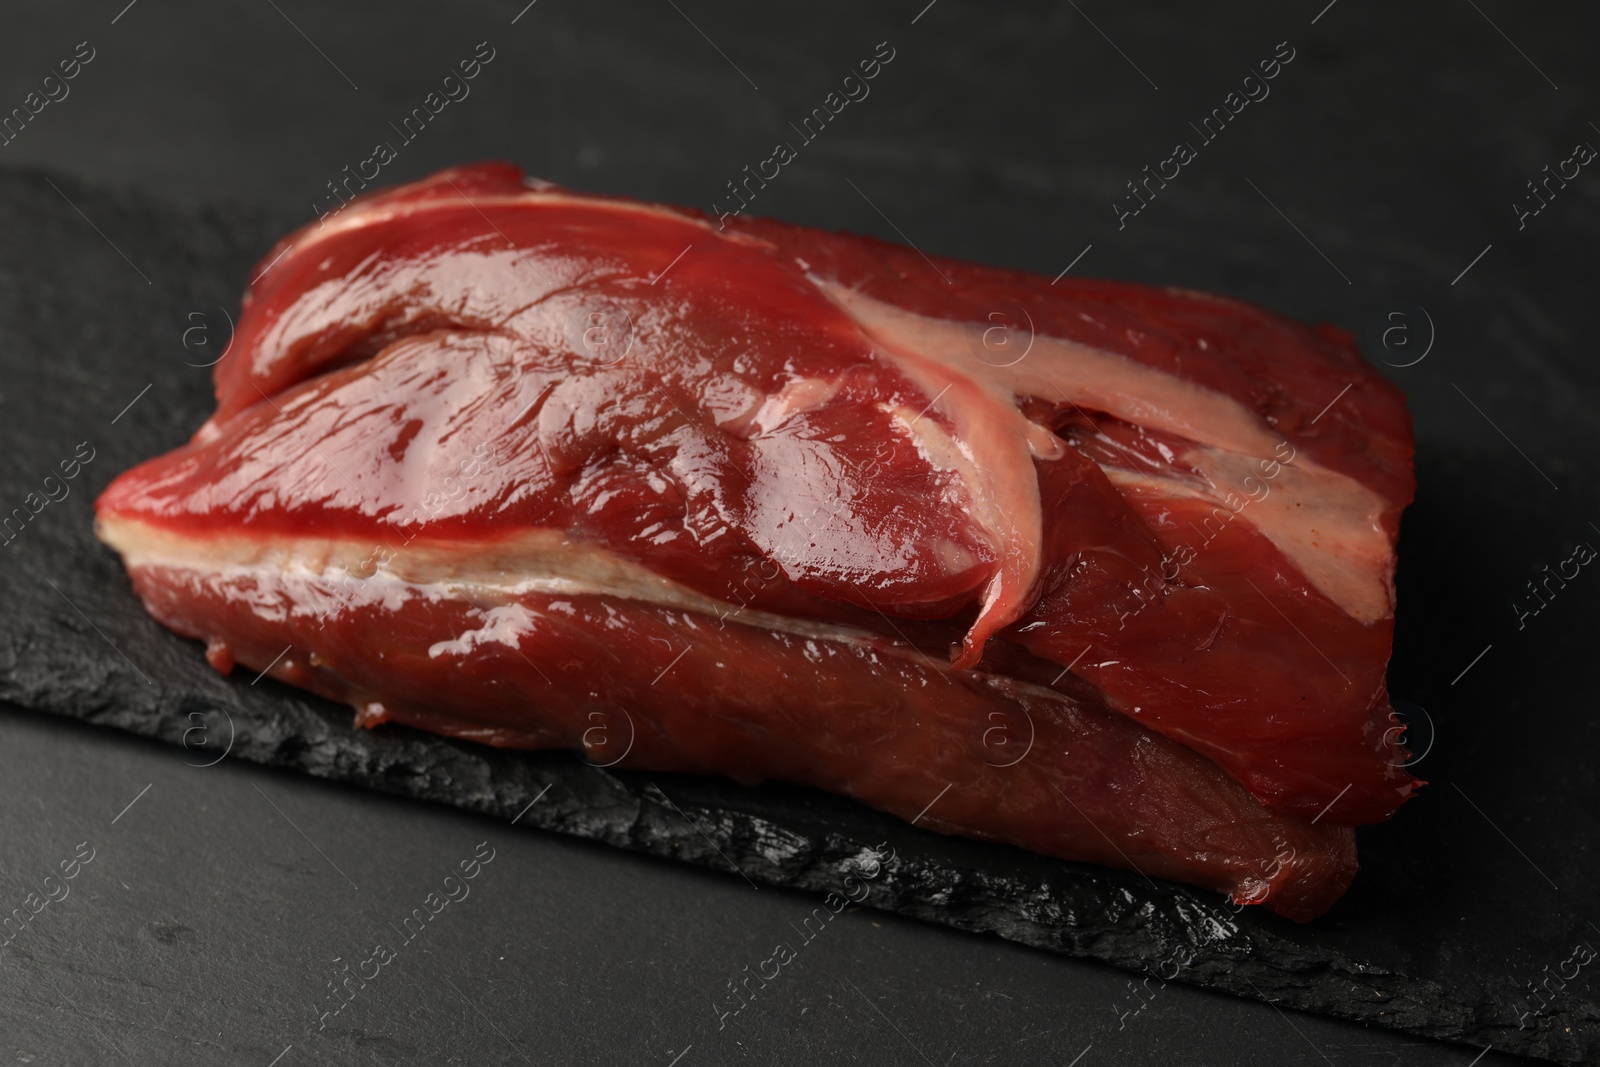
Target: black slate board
[1449,919]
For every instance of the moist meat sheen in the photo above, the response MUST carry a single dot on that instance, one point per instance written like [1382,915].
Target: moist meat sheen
[1097,569]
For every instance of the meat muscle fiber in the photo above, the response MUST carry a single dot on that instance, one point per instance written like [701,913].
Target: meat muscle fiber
[1097,569]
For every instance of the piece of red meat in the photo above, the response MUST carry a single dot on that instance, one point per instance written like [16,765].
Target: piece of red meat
[521,465]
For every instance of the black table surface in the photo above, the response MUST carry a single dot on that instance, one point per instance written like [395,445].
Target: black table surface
[1378,177]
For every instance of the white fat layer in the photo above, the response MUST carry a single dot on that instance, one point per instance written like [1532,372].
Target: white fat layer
[1060,372]
[1326,523]
[1332,534]
[995,443]
[487,573]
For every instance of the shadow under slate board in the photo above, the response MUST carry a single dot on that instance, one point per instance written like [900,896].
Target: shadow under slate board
[1436,938]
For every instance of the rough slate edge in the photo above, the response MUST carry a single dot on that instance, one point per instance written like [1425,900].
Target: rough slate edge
[1069,908]
[52,660]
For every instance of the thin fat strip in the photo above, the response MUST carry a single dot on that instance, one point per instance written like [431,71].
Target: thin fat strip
[655,686]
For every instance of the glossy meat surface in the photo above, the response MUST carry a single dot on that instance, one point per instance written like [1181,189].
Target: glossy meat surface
[485,452]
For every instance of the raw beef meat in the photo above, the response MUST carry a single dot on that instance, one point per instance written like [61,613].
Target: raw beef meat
[1088,567]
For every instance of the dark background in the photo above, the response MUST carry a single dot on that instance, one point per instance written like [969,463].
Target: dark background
[1396,142]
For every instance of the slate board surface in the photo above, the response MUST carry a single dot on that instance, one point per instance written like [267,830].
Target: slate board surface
[1480,887]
